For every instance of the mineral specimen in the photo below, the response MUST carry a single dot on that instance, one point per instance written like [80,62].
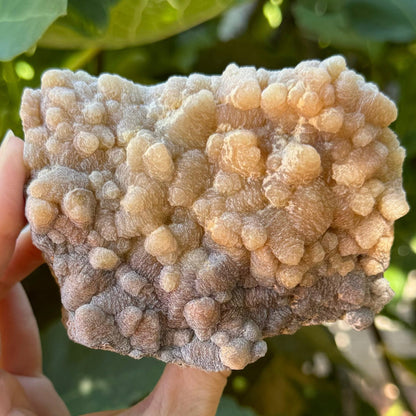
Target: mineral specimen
[190,220]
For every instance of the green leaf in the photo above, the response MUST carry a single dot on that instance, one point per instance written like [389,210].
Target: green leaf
[229,407]
[90,380]
[387,20]
[278,390]
[128,22]
[330,26]
[320,339]
[22,23]
[94,11]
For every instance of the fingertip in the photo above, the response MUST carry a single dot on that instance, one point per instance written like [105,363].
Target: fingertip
[10,139]
[11,152]
[9,134]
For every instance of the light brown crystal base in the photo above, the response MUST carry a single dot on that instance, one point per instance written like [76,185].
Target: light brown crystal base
[190,220]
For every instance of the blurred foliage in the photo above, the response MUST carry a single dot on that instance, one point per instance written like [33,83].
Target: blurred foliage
[303,374]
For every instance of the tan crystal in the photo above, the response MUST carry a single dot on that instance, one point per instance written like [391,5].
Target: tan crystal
[189,220]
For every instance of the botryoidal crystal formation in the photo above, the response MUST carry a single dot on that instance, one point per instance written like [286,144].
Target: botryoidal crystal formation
[190,220]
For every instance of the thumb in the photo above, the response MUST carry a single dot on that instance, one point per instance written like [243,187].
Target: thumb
[184,391]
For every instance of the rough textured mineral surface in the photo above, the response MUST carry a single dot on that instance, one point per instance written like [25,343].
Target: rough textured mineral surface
[190,220]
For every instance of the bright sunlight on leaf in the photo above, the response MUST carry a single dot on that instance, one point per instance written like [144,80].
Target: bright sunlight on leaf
[130,22]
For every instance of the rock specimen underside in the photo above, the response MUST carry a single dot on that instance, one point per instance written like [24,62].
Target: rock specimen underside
[190,220]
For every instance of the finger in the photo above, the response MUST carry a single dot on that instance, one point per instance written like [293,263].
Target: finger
[13,398]
[183,391]
[180,391]
[12,179]
[29,397]
[42,396]
[25,259]
[19,335]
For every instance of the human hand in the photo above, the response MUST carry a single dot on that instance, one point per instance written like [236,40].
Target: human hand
[24,390]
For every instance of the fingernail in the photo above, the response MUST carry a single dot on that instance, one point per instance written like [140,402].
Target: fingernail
[9,134]
[5,143]
[5,147]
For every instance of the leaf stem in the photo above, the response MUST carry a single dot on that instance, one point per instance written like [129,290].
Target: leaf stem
[99,60]
[79,59]
[11,79]
[348,399]
[389,368]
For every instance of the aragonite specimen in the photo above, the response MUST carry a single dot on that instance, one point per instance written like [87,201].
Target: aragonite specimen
[190,220]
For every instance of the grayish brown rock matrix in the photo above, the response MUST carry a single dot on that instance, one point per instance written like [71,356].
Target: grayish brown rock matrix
[190,220]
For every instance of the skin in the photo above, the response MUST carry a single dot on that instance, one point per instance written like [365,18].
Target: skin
[24,390]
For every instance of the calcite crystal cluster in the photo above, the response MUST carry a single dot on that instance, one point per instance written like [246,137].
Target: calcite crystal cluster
[190,220]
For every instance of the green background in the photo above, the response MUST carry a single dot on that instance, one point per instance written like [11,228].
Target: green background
[147,41]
